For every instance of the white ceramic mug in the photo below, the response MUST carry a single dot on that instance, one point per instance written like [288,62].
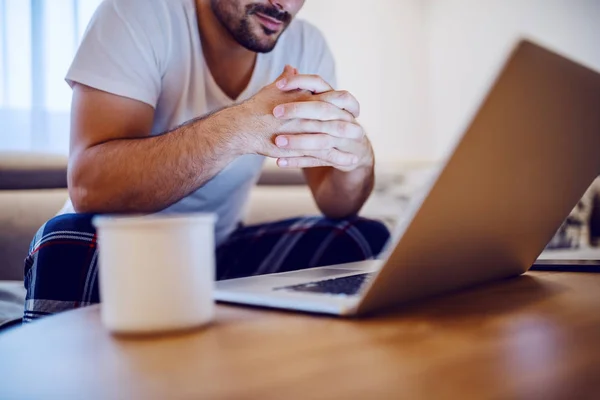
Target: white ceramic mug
[156,272]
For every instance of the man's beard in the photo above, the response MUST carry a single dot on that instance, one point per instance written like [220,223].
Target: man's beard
[240,29]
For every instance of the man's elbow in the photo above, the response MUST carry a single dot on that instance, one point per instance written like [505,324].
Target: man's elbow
[83,199]
[83,190]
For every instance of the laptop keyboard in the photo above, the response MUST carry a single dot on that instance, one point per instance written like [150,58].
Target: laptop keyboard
[347,285]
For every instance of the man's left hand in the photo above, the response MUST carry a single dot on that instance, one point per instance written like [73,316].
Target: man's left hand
[338,140]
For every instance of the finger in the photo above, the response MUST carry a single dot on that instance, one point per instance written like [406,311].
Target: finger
[334,157]
[342,99]
[301,162]
[313,141]
[313,83]
[337,128]
[273,151]
[318,110]
[288,71]
[337,159]
[317,142]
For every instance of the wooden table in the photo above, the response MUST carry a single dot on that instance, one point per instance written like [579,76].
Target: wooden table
[533,337]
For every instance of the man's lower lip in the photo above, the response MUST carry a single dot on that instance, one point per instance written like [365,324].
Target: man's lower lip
[268,23]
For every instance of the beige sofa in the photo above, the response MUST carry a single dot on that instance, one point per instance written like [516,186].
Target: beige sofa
[32,189]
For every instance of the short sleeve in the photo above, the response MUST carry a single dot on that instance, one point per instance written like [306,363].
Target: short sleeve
[317,55]
[121,51]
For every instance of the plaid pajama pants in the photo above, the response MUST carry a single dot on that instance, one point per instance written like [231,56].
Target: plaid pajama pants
[61,270]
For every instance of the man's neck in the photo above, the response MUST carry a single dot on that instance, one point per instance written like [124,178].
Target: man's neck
[230,64]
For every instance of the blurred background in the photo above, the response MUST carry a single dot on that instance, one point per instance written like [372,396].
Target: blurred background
[421,67]
[418,67]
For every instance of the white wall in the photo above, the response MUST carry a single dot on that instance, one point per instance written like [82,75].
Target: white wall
[469,39]
[378,47]
[421,67]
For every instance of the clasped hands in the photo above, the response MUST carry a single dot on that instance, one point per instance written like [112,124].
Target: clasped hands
[312,125]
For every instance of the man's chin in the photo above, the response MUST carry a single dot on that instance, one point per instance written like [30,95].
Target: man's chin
[264,47]
[264,43]
[258,38]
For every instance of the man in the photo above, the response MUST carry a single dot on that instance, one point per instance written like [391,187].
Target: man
[176,103]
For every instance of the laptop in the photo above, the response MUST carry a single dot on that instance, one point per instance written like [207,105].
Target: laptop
[509,182]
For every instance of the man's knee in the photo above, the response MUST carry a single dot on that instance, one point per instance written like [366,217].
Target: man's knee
[374,232]
[350,240]
[60,229]
[67,223]
[61,267]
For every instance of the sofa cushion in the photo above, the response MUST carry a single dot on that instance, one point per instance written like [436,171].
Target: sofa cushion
[22,212]
[32,171]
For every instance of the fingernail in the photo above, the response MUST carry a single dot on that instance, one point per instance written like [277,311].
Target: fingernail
[281,141]
[282,162]
[278,111]
[281,83]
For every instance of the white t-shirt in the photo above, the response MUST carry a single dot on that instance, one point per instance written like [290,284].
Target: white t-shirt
[150,51]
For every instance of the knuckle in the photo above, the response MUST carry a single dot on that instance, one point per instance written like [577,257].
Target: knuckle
[331,109]
[322,154]
[345,159]
[344,95]
[356,132]
[333,156]
[326,141]
[303,125]
[311,126]
[341,128]
[317,127]
[270,150]
[287,126]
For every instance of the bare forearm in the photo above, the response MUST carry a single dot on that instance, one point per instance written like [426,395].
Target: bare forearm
[341,194]
[150,174]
